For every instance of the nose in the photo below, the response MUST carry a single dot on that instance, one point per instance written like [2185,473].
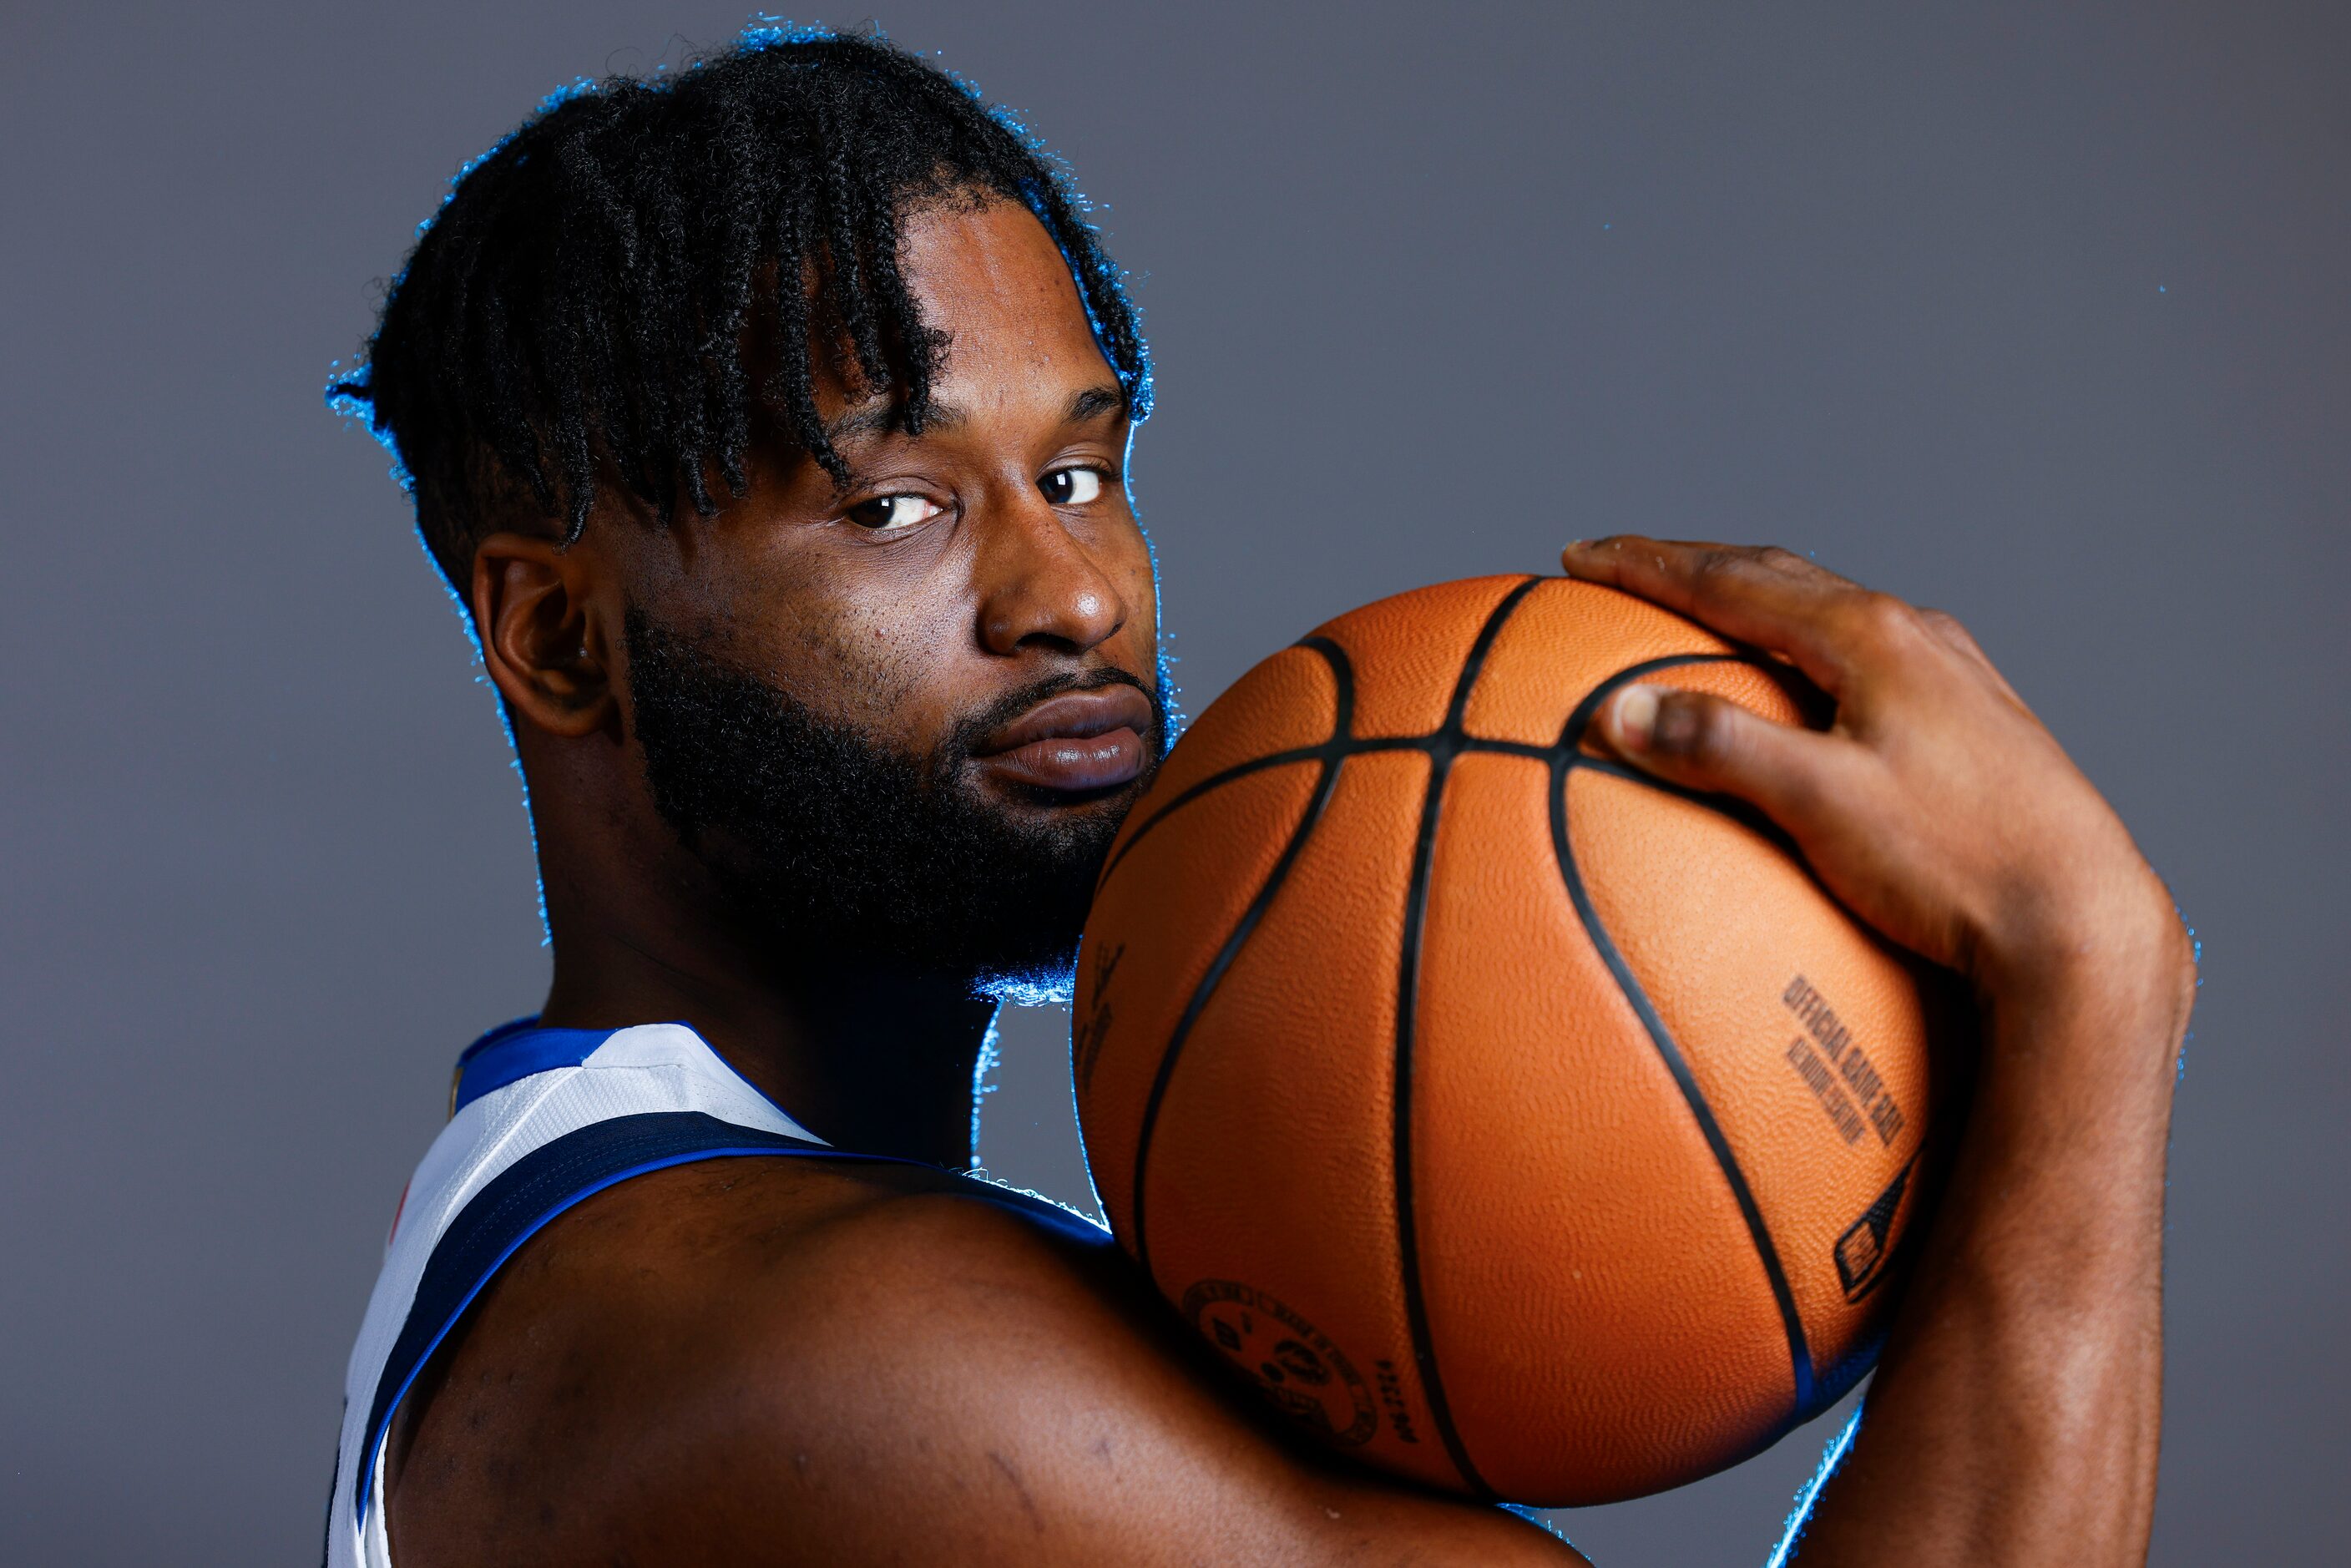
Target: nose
[1040,586]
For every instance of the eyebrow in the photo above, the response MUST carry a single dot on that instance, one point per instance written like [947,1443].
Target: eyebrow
[881,417]
[1095,402]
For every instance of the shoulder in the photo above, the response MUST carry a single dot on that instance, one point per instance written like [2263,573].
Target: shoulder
[801,1360]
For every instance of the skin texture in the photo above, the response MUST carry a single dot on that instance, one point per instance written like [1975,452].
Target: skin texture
[789,1361]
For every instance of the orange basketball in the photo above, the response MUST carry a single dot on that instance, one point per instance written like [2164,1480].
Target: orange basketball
[1513,1122]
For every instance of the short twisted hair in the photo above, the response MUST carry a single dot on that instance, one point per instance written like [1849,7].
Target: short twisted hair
[582,309]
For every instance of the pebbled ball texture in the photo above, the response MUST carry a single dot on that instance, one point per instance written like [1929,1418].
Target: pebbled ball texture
[1511,1121]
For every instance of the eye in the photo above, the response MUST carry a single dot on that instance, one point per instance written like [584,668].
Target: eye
[1072,487]
[885,514]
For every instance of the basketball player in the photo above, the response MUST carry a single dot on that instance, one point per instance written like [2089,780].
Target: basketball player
[770,424]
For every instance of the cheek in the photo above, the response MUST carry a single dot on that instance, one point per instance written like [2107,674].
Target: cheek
[1132,575]
[874,659]
[855,659]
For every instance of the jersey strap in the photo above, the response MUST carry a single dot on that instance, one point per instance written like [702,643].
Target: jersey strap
[517,1204]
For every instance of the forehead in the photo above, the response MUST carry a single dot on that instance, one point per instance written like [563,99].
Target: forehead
[992,279]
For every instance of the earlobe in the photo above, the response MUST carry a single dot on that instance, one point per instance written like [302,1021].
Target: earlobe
[541,640]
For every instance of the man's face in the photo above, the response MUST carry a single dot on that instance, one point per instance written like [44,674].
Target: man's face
[901,719]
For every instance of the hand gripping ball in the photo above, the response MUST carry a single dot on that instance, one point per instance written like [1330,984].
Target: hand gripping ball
[1511,1120]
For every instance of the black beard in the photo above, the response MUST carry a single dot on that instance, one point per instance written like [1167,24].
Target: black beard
[844,851]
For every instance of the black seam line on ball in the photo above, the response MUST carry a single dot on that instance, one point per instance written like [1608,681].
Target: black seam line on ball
[1571,735]
[1342,718]
[1570,746]
[1729,806]
[1442,746]
[1564,765]
[1339,744]
[1343,746]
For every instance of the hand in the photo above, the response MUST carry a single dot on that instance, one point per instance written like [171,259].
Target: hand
[1935,805]
[2016,1410]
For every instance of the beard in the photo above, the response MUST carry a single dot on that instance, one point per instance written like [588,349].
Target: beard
[843,850]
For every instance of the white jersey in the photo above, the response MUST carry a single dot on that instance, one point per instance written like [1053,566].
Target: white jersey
[541,1118]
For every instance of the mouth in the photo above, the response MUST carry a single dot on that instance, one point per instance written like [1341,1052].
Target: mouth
[1075,743]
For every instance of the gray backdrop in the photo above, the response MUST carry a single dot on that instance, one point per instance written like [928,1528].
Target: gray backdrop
[2037,313]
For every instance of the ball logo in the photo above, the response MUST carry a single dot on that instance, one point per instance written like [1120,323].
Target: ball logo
[1862,1249]
[1295,1366]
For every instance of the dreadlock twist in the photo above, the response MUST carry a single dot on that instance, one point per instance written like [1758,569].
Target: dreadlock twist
[581,301]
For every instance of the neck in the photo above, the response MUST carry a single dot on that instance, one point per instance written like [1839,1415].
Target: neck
[870,1057]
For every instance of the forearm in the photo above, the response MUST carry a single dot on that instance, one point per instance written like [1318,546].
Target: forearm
[2015,1414]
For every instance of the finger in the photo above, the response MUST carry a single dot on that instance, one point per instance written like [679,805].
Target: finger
[1961,641]
[1772,557]
[1704,742]
[1770,598]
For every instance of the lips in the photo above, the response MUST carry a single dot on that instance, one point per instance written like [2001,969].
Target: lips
[1075,742]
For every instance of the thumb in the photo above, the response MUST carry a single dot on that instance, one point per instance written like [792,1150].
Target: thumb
[1711,744]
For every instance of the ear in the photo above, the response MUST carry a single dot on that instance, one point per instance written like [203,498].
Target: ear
[544,645]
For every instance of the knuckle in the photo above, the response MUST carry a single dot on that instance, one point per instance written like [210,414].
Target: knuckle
[1945,624]
[1801,567]
[1881,619]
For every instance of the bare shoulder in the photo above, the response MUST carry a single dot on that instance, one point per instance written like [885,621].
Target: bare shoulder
[786,1361]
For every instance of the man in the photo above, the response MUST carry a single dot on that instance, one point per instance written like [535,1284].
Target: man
[769,423]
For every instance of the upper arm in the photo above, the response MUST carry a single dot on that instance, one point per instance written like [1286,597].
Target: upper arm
[944,1380]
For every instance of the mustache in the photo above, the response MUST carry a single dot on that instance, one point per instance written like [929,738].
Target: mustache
[969,732]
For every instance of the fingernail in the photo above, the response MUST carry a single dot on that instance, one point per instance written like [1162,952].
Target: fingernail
[1636,715]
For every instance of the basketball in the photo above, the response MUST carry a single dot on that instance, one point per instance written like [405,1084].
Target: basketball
[1512,1121]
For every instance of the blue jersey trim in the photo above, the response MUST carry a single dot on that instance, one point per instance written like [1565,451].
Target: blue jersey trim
[516,1051]
[504,1031]
[519,1203]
